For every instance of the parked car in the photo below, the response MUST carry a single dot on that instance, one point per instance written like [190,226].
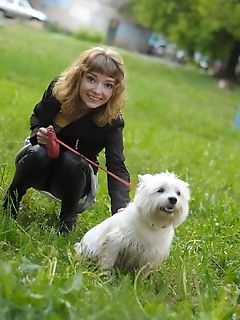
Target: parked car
[159,48]
[202,61]
[20,9]
[182,56]
[156,45]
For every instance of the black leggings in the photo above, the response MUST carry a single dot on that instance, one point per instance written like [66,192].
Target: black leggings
[68,178]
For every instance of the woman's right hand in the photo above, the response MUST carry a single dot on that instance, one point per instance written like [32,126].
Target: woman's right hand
[42,136]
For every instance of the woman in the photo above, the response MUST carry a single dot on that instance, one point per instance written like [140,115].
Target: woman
[84,107]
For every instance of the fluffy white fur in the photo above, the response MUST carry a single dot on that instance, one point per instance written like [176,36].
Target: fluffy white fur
[140,235]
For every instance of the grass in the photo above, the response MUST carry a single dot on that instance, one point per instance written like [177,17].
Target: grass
[176,120]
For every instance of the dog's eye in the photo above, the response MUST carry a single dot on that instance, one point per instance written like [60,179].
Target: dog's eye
[161,190]
[178,193]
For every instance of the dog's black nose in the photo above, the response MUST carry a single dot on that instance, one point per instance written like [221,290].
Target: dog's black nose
[172,200]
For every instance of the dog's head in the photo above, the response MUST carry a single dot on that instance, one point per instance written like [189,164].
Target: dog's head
[162,199]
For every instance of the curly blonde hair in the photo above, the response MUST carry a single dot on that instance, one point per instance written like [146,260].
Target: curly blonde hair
[106,61]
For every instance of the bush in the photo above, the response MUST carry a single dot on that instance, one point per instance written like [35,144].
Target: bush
[89,35]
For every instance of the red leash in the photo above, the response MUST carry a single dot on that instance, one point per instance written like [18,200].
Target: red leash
[53,152]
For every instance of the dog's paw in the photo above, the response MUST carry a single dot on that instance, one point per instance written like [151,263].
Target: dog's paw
[77,247]
[106,274]
[146,271]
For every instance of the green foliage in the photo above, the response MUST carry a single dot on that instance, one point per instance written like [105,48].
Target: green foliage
[176,120]
[90,36]
[208,26]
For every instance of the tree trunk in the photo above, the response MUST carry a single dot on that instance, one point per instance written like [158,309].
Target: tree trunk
[229,72]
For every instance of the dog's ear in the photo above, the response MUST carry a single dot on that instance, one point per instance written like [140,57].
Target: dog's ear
[186,184]
[144,177]
[188,193]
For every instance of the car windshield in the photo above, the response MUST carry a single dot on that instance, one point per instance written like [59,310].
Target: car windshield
[24,3]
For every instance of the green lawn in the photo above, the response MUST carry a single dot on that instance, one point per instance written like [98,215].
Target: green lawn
[176,120]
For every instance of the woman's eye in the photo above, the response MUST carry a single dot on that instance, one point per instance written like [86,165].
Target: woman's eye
[178,193]
[109,85]
[161,190]
[90,79]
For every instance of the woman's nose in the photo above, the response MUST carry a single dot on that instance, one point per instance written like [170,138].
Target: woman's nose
[97,87]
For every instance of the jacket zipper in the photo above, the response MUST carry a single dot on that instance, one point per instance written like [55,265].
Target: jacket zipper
[76,144]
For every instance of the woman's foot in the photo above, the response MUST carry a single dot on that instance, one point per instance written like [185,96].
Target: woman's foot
[11,203]
[67,226]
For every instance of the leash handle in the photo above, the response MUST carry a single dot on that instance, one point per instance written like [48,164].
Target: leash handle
[52,145]
[54,150]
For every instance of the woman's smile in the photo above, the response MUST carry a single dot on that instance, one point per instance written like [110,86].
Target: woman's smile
[93,97]
[96,89]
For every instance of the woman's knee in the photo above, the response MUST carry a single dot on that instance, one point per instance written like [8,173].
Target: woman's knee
[36,156]
[73,162]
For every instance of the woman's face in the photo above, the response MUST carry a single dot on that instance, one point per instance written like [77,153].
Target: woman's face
[96,89]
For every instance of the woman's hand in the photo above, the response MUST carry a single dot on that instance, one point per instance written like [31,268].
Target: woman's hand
[42,136]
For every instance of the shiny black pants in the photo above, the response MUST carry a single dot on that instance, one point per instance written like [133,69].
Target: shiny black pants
[67,178]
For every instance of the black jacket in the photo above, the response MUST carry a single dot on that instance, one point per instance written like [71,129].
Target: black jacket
[92,140]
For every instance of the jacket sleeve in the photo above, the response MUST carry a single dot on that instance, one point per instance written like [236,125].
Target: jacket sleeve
[115,162]
[44,112]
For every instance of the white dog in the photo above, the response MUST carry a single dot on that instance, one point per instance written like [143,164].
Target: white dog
[141,234]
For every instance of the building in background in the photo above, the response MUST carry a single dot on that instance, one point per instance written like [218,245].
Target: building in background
[103,16]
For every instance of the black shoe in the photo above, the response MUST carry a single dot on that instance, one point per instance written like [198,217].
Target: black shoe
[67,226]
[11,203]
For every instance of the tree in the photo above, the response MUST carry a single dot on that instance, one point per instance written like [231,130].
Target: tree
[211,27]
